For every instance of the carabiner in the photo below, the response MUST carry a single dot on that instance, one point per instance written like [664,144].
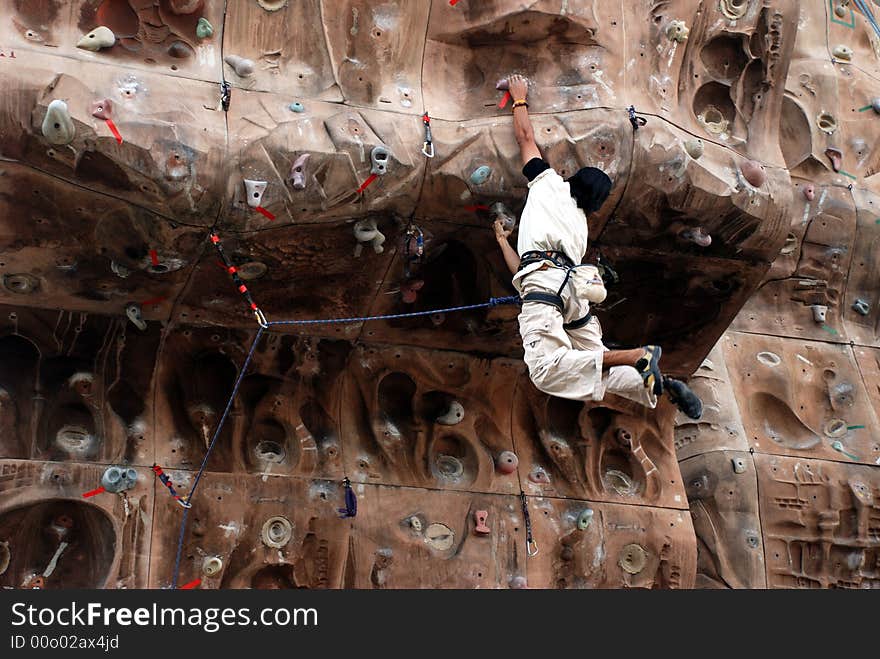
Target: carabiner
[428,144]
[529,545]
[261,319]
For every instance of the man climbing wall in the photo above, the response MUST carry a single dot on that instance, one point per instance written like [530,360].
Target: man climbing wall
[561,337]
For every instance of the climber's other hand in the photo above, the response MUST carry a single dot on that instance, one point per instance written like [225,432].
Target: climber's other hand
[519,87]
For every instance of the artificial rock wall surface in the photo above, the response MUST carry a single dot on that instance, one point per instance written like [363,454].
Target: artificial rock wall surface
[747,197]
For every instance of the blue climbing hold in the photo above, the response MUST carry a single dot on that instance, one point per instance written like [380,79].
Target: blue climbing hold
[481,175]
[296,107]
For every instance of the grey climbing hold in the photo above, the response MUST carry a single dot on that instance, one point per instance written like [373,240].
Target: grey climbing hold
[694,148]
[298,171]
[677,31]
[100,37]
[633,558]
[254,192]
[57,125]
[507,462]
[585,519]
[875,104]
[212,565]
[842,52]
[454,415]
[119,270]
[739,465]
[242,66]
[204,29]
[819,312]
[118,479]
[133,311]
[501,212]
[296,106]
[861,307]
[379,157]
[276,532]
[696,235]
[481,174]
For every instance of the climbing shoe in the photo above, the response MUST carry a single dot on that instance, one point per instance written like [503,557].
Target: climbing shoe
[648,367]
[683,397]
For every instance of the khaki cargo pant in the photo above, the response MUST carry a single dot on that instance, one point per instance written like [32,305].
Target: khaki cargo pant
[568,363]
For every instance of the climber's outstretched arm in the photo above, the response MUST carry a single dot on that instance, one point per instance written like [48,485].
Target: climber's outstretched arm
[522,125]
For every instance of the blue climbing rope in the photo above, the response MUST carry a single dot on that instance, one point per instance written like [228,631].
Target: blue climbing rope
[493,302]
[868,15]
[220,424]
[351,507]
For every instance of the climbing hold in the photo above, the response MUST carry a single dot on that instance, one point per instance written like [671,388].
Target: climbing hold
[842,52]
[448,466]
[437,319]
[835,428]
[255,190]
[538,475]
[677,31]
[768,358]
[519,583]
[298,171]
[252,270]
[754,173]
[501,212]
[838,446]
[272,5]
[835,155]
[21,283]
[366,231]
[506,462]
[296,106]
[841,8]
[875,105]
[696,235]
[415,524]
[502,85]
[694,148]
[204,29]
[861,307]
[819,312]
[100,37]
[453,415]
[133,311]
[633,558]
[826,123]
[276,532]
[379,156]
[211,566]
[409,290]
[57,125]
[480,517]
[585,519]
[243,67]
[739,465]
[810,191]
[734,9]
[439,537]
[101,109]
[119,479]
[180,50]
[481,174]
[186,6]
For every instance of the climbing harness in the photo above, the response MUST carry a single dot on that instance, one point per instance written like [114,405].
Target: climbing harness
[531,545]
[428,146]
[351,502]
[166,481]
[560,260]
[225,95]
[233,271]
[637,122]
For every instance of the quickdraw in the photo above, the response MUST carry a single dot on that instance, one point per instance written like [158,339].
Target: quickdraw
[636,121]
[233,271]
[531,545]
[167,483]
[351,503]
[428,146]
[414,236]
[225,95]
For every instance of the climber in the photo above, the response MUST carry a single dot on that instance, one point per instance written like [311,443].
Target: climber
[561,337]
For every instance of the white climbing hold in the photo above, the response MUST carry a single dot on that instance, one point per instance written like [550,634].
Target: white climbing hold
[255,190]
[366,231]
[819,312]
[100,37]
[694,148]
[677,31]
[57,125]
[133,311]
[298,172]
[842,52]
[453,415]
[242,66]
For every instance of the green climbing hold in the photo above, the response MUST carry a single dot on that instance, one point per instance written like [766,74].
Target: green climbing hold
[296,107]
[204,29]
[585,518]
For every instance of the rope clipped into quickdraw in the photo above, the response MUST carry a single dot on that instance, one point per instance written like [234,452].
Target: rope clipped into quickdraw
[233,271]
[428,145]
[531,545]
[166,481]
[351,502]
[636,121]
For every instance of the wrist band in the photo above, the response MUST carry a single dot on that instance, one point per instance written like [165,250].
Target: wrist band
[520,103]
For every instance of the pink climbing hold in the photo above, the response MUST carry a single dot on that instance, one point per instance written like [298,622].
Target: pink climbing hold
[835,155]
[754,173]
[480,517]
[810,191]
[409,290]
[507,462]
[101,109]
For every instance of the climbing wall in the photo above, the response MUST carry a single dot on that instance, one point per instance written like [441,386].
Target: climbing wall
[295,131]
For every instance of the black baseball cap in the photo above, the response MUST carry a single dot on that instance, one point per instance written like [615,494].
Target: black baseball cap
[590,188]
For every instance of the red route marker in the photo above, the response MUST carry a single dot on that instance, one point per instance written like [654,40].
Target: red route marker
[264,212]
[153,300]
[476,207]
[365,184]
[191,585]
[453,2]
[504,99]
[113,130]
[154,257]
[92,493]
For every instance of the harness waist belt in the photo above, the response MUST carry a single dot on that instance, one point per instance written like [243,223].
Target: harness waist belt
[580,322]
[545,298]
[556,257]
